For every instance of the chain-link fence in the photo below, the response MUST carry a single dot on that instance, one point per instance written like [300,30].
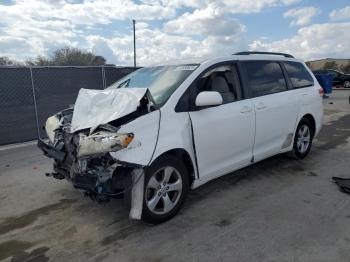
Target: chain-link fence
[29,95]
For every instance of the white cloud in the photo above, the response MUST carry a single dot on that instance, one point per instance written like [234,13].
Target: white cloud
[205,28]
[232,6]
[203,32]
[239,6]
[155,46]
[140,25]
[208,21]
[315,41]
[88,12]
[37,35]
[100,46]
[302,16]
[11,46]
[340,14]
[43,25]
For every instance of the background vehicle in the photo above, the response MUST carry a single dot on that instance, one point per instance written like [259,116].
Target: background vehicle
[339,78]
[170,128]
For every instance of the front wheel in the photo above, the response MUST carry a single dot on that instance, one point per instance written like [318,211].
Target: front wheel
[303,139]
[166,187]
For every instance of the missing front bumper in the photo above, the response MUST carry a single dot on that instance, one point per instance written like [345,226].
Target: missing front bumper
[51,151]
[127,180]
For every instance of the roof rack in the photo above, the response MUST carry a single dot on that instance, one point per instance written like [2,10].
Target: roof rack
[263,53]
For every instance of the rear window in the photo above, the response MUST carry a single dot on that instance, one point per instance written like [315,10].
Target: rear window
[298,74]
[265,77]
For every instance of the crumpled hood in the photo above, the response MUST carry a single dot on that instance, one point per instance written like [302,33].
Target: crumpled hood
[95,107]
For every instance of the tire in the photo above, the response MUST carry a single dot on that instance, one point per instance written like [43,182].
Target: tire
[303,139]
[346,84]
[167,179]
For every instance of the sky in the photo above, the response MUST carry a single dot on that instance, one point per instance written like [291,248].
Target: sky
[175,29]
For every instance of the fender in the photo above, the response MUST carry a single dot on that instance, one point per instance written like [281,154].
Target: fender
[175,132]
[141,149]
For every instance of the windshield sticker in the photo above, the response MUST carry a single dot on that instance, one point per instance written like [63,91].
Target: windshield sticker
[186,68]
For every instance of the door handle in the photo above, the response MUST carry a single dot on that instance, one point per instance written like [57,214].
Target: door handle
[246,109]
[260,106]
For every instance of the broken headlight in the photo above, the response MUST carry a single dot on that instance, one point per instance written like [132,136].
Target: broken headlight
[52,123]
[102,142]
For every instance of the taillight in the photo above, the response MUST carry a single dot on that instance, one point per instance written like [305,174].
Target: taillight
[321,91]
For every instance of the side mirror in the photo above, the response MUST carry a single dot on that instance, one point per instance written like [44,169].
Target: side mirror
[208,98]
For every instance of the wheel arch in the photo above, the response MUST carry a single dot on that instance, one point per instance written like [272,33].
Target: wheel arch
[312,120]
[185,157]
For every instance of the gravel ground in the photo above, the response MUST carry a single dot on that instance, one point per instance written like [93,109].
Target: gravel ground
[277,210]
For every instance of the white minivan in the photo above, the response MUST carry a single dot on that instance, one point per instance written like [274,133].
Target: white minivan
[162,130]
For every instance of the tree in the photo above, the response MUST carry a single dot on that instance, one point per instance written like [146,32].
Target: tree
[39,61]
[330,65]
[5,61]
[346,69]
[69,56]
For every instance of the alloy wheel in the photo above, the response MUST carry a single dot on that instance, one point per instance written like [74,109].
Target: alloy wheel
[303,139]
[163,190]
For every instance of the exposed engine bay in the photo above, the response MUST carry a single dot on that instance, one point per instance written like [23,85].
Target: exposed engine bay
[82,138]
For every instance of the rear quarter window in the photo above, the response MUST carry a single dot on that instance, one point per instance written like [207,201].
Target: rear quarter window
[298,75]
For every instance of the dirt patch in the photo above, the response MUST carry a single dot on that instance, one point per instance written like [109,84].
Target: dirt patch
[311,173]
[69,233]
[122,234]
[36,255]
[13,223]
[223,223]
[17,250]
[334,134]
[12,247]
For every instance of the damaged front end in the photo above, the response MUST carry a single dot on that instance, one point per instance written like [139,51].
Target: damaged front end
[84,159]
[82,152]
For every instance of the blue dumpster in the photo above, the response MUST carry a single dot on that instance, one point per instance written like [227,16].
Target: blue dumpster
[325,80]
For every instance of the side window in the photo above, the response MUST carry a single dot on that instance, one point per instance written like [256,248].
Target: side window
[298,74]
[221,79]
[264,77]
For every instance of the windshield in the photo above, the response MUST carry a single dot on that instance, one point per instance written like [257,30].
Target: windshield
[161,81]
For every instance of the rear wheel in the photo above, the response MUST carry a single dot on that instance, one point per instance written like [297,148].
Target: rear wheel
[166,187]
[346,84]
[303,139]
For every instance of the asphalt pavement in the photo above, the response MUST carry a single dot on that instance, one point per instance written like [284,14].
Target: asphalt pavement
[277,210]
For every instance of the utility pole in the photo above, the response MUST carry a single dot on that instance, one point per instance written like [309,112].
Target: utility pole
[133,24]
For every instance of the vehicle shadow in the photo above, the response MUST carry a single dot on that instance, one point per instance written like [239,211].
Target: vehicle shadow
[273,167]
